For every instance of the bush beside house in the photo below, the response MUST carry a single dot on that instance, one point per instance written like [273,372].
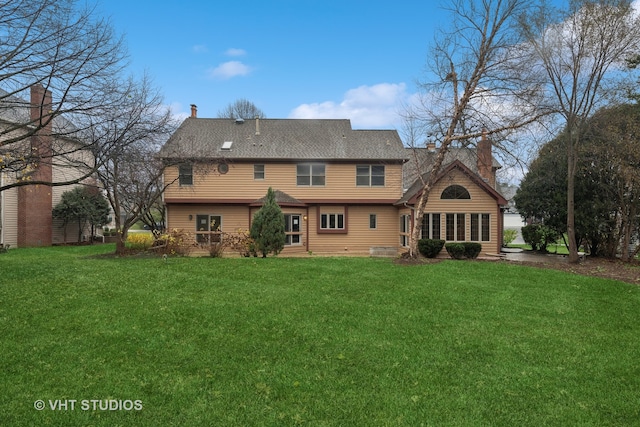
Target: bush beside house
[430,248]
[462,250]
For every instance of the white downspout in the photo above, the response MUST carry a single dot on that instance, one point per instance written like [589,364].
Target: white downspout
[1,209]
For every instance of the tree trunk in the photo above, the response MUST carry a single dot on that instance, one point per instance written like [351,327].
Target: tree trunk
[120,242]
[627,228]
[571,180]
[418,211]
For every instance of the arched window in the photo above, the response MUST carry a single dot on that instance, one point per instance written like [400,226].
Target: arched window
[455,192]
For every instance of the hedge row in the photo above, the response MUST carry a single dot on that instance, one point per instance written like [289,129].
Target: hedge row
[430,248]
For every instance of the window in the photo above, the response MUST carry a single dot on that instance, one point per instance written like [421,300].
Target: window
[310,174]
[185,174]
[208,228]
[258,172]
[480,227]
[370,175]
[405,227]
[431,226]
[455,227]
[485,228]
[332,221]
[293,235]
[373,221]
[453,192]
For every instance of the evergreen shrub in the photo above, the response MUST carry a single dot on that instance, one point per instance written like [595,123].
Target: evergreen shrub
[430,248]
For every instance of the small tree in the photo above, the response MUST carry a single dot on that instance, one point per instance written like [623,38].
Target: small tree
[129,169]
[83,205]
[267,228]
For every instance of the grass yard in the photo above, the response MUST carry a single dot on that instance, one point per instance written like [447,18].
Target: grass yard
[311,341]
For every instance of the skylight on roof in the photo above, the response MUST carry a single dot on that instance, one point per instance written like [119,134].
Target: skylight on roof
[227,145]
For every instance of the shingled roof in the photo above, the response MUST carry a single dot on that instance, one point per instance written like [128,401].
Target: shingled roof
[282,139]
[421,159]
[416,187]
[282,199]
[16,111]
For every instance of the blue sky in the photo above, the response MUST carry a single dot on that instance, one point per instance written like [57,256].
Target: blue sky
[300,59]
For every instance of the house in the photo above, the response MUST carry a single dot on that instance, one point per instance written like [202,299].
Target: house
[335,185]
[343,191]
[464,203]
[26,211]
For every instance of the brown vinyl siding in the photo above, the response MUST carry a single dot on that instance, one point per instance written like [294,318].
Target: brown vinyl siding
[359,238]
[239,183]
[480,203]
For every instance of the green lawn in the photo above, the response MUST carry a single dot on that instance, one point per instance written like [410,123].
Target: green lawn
[311,341]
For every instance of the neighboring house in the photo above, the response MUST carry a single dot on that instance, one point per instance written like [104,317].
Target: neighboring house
[26,211]
[341,190]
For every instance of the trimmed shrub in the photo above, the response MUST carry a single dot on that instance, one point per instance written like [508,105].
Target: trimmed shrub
[472,249]
[455,250]
[463,250]
[539,236]
[430,248]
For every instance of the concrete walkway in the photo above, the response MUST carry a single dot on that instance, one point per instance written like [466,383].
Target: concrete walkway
[513,254]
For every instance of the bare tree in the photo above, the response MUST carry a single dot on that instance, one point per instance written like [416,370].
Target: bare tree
[62,47]
[581,51]
[241,109]
[130,137]
[480,85]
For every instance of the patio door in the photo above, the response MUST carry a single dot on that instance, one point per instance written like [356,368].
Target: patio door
[208,228]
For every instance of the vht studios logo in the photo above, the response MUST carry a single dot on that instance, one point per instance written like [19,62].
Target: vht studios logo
[88,405]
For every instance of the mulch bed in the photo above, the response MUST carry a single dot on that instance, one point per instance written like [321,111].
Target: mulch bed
[628,272]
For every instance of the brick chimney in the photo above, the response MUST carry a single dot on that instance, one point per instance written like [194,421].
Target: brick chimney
[35,203]
[194,111]
[485,160]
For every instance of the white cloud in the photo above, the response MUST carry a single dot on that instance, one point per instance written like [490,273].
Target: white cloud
[235,52]
[229,69]
[374,106]
[177,112]
[200,48]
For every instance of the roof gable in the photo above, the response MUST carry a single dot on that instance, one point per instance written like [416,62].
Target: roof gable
[421,159]
[282,199]
[414,192]
[281,139]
